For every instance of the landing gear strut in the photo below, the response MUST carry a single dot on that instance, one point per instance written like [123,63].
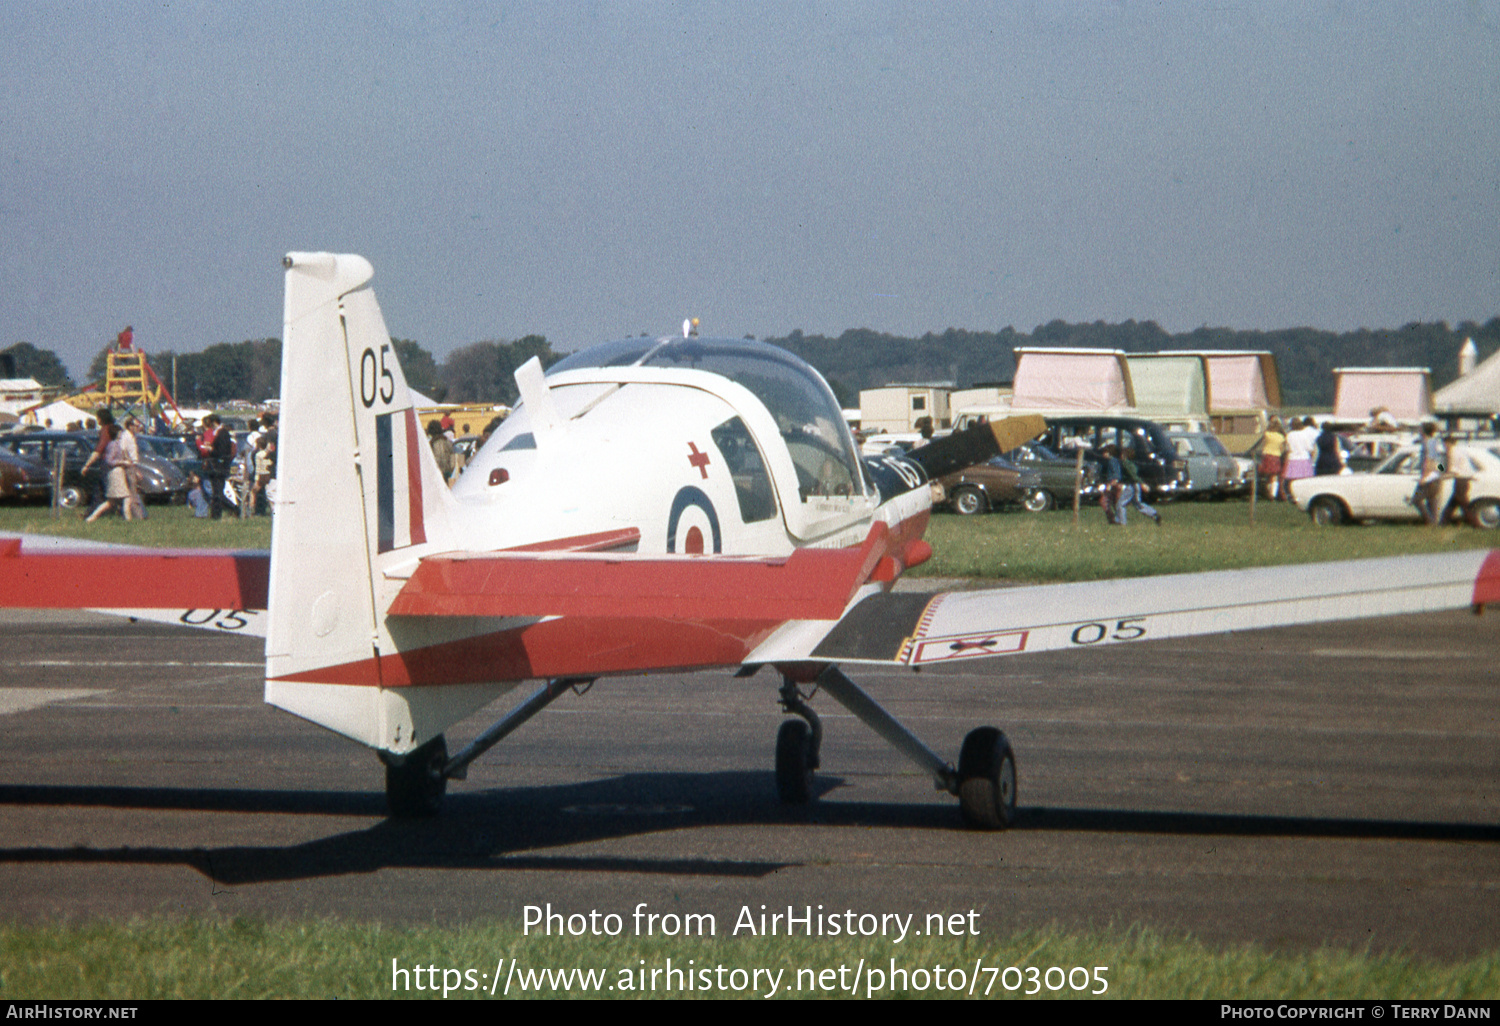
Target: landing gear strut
[984,780]
[415,782]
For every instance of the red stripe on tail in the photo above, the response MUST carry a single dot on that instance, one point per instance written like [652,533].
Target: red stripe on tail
[414,479]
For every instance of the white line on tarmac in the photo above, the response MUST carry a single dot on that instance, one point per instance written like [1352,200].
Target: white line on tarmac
[1385,653]
[14,700]
[110,662]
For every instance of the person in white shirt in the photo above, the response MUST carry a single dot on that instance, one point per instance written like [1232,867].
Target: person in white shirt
[1301,444]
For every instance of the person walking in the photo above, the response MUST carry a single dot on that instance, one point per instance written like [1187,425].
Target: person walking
[1462,469]
[130,447]
[1132,490]
[1430,474]
[116,488]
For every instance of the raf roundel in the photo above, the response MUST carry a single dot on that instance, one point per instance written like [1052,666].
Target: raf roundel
[692,523]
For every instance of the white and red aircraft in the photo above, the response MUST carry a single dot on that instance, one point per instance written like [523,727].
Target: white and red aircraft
[653,504]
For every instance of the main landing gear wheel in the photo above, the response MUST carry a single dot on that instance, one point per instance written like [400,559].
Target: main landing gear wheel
[796,758]
[414,789]
[987,780]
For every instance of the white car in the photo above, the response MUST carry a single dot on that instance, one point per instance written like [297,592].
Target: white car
[1386,492]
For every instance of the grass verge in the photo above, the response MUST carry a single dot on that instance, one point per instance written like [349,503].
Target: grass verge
[243,958]
[1194,536]
[164,527]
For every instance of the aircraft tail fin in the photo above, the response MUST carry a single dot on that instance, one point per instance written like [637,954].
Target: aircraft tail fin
[360,500]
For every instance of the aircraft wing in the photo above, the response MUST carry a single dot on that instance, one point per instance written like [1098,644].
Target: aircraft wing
[922,629]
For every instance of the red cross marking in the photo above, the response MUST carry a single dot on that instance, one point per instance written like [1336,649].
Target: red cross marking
[699,460]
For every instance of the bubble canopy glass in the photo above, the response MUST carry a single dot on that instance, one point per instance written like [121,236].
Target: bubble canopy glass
[805,411]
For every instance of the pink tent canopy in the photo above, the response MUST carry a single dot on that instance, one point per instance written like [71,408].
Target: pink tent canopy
[1071,379]
[1405,391]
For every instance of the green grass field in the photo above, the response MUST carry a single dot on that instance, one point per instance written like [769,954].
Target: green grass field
[253,959]
[243,958]
[1194,536]
[1007,545]
[164,527]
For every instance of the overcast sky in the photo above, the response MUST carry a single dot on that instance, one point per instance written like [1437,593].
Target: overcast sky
[590,170]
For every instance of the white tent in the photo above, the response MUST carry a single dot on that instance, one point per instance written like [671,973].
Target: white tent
[60,414]
[1072,379]
[1477,392]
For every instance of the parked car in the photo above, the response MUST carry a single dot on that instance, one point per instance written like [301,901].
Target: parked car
[1211,471]
[23,478]
[160,480]
[1368,450]
[179,451]
[43,446]
[986,486]
[1386,493]
[1058,475]
[1154,455]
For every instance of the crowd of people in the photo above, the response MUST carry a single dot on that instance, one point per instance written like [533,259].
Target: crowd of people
[1305,449]
[229,477]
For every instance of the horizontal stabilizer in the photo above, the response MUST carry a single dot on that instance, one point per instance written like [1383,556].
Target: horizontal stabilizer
[115,577]
[810,584]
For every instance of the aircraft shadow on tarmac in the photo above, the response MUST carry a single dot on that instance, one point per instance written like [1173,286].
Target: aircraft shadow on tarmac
[504,828]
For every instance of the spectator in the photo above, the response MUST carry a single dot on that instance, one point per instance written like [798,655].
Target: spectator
[1330,459]
[1301,443]
[442,448]
[1430,474]
[116,488]
[1461,468]
[217,449]
[1272,451]
[196,499]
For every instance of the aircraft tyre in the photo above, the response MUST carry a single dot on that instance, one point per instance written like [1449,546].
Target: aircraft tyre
[795,762]
[969,501]
[987,780]
[414,789]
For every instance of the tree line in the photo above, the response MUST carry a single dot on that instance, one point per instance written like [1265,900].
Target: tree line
[1305,357]
[481,372]
[856,359]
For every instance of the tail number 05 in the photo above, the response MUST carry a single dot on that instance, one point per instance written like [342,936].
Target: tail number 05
[1093,633]
[375,380]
